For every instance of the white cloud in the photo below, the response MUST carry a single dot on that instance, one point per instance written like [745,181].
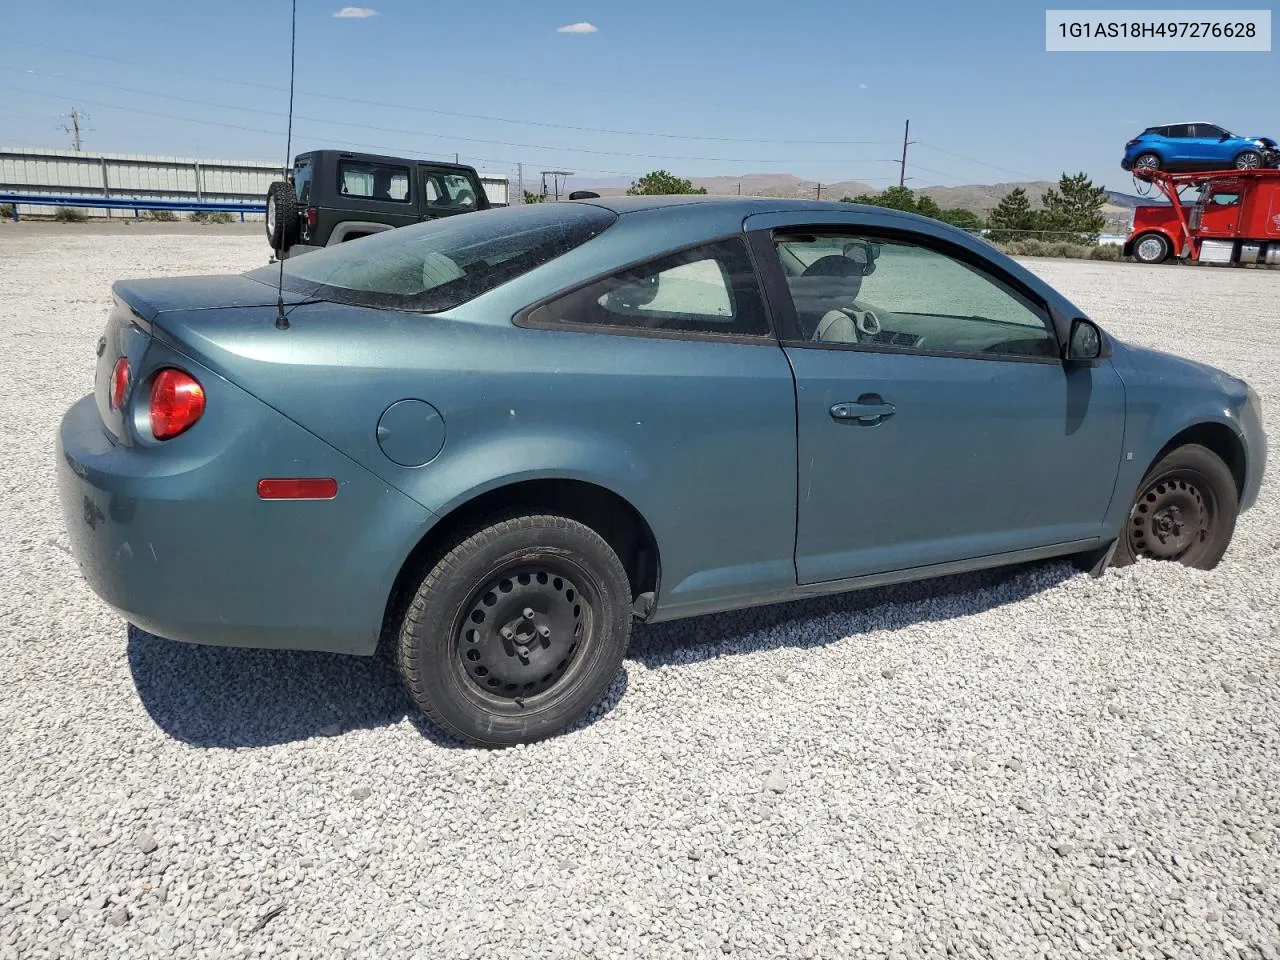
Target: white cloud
[356,13]
[862,86]
[583,27]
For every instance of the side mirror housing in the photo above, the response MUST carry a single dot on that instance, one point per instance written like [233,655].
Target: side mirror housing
[1086,343]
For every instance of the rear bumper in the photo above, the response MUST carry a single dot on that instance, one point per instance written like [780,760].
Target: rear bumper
[176,539]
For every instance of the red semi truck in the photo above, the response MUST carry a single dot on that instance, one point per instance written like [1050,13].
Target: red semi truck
[1235,220]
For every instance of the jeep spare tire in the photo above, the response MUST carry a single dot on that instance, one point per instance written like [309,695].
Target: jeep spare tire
[282,215]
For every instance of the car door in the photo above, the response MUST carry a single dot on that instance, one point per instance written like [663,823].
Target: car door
[1181,147]
[373,190]
[447,191]
[1221,210]
[1209,146]
[936,422]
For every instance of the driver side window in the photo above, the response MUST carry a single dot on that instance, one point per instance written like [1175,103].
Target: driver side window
[858,292]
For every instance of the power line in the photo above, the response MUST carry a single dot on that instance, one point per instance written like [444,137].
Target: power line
[441,136]
[382,148]
[446,113]
[993,166]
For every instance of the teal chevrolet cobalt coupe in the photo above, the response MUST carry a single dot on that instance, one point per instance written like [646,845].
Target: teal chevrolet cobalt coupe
[496,440]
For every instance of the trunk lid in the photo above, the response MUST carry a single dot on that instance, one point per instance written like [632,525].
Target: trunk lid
[138,309]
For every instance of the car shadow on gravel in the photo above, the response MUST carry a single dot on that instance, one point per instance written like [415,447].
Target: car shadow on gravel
[234,697]
[834,617]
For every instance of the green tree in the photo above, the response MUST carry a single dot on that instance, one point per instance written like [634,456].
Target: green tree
[928,207]
[531,197]
[1012,217]
[964,219]
[894,198]
[1073,211]
[661,182]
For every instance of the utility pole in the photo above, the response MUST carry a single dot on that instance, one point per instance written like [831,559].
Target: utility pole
[74,129]
[902,167]
[819,197]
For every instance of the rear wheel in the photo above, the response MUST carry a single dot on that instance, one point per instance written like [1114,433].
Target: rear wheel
[517,631]
[1249,160]
[282,215]
[1151,248]
[1147,161]
[1185,511]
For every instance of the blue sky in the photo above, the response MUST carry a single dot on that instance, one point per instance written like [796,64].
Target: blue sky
[699,88]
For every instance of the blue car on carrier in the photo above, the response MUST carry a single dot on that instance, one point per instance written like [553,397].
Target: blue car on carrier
[498,439]
[1197,146]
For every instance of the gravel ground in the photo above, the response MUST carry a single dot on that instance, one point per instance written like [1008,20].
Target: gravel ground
[1017,764]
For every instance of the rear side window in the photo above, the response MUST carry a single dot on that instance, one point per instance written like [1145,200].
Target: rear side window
[302,178]
[1181,131]
[708,289]
[373,181]
[442,263]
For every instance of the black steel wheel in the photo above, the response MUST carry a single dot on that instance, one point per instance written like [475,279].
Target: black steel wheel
[520,633]
[517,631]
[1185,511]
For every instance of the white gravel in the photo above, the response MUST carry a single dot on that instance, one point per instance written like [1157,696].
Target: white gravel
[1020,764]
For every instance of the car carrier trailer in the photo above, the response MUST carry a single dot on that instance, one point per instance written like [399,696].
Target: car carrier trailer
[1235,220]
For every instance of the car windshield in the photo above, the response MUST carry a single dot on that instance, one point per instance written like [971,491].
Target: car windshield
[442,263]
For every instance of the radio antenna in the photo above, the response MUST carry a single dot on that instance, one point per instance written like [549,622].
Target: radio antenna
[282,322]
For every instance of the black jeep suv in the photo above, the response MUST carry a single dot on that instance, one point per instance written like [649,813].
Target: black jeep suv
[335,196]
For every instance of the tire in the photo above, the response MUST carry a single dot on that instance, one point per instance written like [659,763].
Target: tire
[1249,160]
[1151,248]
[282,215]
[1147,161]
[1184,510]
[517,631]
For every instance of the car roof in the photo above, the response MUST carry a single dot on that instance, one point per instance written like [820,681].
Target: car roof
[728,203]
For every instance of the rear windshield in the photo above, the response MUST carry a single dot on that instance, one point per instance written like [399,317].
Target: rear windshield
[442,263]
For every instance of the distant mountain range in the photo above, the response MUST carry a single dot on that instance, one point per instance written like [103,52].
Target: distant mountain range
[978,198]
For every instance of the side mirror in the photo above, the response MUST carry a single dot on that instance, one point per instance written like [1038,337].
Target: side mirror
[1085,342]
[583,195]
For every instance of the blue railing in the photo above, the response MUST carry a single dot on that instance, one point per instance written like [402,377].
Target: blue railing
[136,204]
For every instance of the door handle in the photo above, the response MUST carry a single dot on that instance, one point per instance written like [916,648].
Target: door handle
[867,410]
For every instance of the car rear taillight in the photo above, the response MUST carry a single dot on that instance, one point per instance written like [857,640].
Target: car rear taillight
[119,383]
[177,402]
[1131,142]
[313,216]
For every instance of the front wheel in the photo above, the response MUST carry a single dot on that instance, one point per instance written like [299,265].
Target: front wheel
[1151,248]
[517,631]
[1185,511]
[1249,160]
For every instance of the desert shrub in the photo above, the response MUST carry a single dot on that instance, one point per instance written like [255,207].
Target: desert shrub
[203,216]
[6,211]
[69,215]
[163,216]
[1035,247]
